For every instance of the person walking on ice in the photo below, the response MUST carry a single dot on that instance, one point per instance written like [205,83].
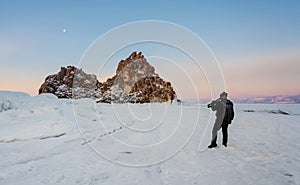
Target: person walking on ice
[224,116]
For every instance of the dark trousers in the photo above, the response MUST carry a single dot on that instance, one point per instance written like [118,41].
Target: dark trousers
[225,135]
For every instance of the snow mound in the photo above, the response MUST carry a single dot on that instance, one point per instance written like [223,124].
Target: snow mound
[12,100]
[29,117]
[6,104]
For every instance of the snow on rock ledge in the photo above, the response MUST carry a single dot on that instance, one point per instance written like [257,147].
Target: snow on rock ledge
[135,81]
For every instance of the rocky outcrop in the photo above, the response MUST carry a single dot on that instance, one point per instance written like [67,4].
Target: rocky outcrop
[135,81]
[71,82]
[153,89]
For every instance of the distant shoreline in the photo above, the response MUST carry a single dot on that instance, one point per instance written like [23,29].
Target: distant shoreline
[280,99]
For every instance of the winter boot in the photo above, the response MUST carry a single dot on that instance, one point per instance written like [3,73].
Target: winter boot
[213,145]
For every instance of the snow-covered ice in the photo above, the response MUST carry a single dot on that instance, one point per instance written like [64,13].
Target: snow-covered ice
[45,140]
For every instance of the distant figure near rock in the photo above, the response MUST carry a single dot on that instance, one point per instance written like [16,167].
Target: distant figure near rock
[135,81]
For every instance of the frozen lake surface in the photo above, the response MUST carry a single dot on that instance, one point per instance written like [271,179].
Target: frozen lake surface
[45,140]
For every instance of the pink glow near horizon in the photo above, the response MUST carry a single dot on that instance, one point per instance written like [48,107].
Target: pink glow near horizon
[260,76]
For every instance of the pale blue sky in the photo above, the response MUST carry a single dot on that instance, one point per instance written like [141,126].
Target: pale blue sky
[33,44]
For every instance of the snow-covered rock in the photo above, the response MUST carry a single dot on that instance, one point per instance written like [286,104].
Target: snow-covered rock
[135,82]
[71,82]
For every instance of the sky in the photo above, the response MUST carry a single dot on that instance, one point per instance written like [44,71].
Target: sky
[256,43]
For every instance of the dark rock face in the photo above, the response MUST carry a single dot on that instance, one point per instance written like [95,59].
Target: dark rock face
[153,89]
[70,82]
[135,82]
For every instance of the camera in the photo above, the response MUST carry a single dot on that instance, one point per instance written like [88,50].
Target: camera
[213,103]
[209,105]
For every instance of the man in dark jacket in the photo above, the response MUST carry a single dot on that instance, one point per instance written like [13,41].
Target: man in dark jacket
[224,116]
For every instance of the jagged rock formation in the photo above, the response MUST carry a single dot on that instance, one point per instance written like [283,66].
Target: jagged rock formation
[71,82]
[135,82]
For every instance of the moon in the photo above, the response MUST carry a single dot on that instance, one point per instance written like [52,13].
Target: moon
[64,30]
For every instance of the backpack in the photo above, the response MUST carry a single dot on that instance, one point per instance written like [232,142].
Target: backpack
[229,112]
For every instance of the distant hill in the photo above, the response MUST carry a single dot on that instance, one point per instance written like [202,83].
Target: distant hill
[271,100]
